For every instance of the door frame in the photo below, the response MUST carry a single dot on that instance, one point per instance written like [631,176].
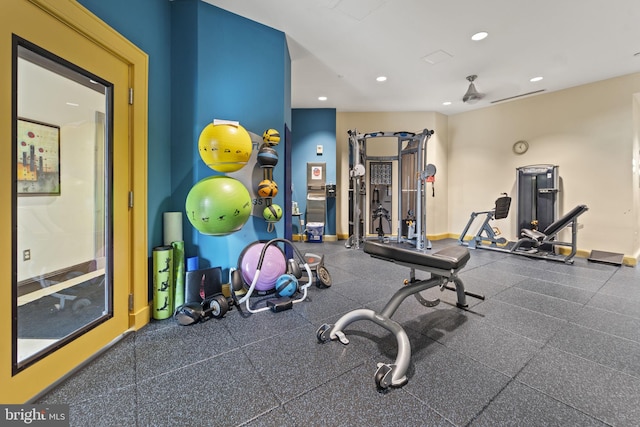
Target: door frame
[26,385]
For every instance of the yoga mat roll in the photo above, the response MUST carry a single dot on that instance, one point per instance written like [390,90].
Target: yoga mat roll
[193,263]
[162,282]
[178,273]
[172,222]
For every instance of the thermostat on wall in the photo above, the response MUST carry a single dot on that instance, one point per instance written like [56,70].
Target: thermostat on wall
[318,149]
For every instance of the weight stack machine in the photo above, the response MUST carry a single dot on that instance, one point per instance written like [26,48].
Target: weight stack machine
[538,187]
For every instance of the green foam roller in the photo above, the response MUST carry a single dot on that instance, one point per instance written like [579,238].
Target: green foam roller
[162,282]
[178,273]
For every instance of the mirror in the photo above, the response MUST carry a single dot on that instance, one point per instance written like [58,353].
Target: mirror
[61,237]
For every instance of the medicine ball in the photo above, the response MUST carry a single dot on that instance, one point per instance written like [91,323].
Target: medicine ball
[267,156]
[271,137]
[267,188]
[272,213]
[286,285]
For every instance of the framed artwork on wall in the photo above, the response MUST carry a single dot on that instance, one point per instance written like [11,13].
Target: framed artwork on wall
[38,158]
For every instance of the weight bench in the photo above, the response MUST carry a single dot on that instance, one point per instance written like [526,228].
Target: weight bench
[443,265]
[535,241]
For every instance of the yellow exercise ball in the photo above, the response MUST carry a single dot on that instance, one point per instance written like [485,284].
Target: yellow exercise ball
[225,147]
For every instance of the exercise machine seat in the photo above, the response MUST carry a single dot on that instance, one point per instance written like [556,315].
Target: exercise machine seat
[533,234]
[555,226]
[546,239]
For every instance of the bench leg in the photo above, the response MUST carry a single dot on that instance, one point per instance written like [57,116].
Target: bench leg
[460,292]
[408,290]
[387,374]
[416,287]
[392,375]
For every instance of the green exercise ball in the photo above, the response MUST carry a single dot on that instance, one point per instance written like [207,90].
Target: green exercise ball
[218,205]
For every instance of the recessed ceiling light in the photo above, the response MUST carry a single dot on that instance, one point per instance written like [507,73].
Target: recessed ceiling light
[446,103]
[381,78]
[72,104]
[322,98]
[536,79]
[479,36]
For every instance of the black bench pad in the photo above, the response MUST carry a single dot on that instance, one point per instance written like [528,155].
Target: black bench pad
[449,258]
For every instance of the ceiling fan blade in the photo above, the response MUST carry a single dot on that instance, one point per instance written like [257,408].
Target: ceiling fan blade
[472,94]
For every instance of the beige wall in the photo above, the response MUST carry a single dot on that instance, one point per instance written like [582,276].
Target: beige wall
[588,131]
[591,132]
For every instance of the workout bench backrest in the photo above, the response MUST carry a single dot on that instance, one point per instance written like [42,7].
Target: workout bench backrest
[562,222]
[502,207]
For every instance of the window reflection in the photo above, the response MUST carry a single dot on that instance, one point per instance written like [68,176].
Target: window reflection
[61,238]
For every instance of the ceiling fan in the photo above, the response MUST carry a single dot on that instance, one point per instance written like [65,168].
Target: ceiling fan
[472,94]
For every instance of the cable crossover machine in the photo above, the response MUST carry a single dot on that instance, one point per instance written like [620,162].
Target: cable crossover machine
[413,174]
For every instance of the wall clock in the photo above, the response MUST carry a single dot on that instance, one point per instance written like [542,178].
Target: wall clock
[520,147]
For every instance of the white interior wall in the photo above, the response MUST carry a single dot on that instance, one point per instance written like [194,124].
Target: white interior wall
[59,230]
[59,236]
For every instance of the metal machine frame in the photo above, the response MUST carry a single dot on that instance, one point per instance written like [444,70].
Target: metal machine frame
[538,187]
[486,232]
[416,143]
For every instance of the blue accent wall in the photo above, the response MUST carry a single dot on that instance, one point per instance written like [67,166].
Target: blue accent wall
[313,127]
[204,63]
[239,69]
[288,197]
[147,24]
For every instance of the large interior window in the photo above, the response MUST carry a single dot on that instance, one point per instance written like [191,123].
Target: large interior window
[62,238]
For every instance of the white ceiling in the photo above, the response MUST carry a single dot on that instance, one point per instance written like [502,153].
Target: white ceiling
[339,47]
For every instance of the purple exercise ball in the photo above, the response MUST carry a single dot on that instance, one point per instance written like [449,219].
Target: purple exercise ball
[273,266]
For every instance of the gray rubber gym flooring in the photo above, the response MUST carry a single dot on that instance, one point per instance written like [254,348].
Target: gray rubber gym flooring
[552,345]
